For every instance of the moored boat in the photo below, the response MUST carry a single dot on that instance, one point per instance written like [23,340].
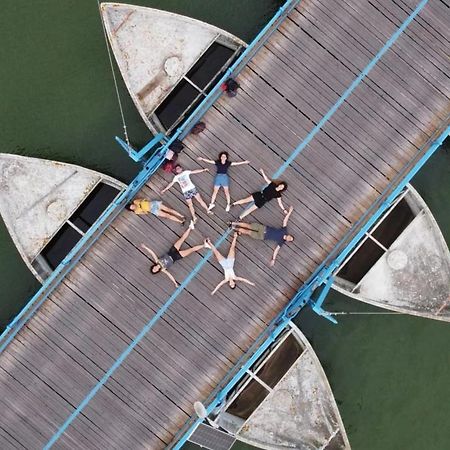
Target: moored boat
[47,206]
[402,264]
[283,402]
[169,62]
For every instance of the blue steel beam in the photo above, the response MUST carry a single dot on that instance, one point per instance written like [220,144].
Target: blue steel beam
[138,155]
[317,304]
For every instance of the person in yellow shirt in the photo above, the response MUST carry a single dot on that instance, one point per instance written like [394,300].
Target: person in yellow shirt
[155,207]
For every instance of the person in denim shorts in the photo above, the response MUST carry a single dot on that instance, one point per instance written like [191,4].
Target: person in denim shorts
[182,177]
[222,179]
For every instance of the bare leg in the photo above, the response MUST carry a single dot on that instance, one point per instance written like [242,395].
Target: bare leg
[226,189]
[192,209]
[183,237]
[232,251]
[245,225]
[170,217]
[216,252]
[214,196]
[245,231]
[198,197]
[171,211]
[244,200]
[189,251]
[248,211]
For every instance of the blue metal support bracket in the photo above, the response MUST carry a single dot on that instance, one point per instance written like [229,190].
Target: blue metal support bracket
[317,305]
[138,156]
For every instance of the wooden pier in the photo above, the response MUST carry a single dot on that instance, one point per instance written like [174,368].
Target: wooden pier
[295,78]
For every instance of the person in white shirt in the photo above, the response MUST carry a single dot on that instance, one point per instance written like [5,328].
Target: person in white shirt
[227,265]
[188,188]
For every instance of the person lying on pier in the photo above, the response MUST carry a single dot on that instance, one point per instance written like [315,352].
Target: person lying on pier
[182,177]
[266,233]
[155,207]
[273,190]
[164,262]
[227,265]
[222,179]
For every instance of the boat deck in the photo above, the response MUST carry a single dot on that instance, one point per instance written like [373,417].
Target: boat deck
[101,306]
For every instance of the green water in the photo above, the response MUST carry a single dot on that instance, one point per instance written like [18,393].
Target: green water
[389,373]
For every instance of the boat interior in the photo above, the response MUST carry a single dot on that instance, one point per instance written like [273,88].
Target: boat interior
[260,380]
[378,241]
[73,229]
[195,84]
[283,400]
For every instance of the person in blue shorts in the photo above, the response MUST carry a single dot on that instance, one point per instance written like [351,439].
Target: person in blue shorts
[222,179]
[266,233]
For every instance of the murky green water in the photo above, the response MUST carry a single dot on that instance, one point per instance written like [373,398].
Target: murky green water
[389,373]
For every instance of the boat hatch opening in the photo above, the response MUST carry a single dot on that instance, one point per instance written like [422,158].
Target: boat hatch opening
[61,244]
[73,230]
[263,376]
[196,84]
[380,239]
[395,223]
[207,67]
[96,202]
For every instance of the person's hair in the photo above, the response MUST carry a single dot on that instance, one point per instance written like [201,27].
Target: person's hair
[223,153]
[279,183]
[176,167]
[153,266]
[234,285]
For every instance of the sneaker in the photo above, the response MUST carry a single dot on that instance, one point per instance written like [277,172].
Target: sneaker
[206,244]
[227,209]
[191,225]
[211,206]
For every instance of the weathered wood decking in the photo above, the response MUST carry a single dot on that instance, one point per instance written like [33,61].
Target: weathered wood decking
[301,71]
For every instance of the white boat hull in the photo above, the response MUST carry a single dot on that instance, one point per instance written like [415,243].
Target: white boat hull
[413,274]
[299,412]
[38,196]
[155,50]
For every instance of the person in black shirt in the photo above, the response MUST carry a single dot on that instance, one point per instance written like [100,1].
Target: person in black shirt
[273,190]
[222,179]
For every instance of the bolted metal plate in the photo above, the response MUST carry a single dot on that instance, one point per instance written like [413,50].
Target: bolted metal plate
[212,438]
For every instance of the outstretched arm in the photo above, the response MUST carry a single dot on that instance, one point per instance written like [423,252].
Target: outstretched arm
[168,187]
[280,203]
[218,286]
[244,280]
[199,171]
[209,161]
[286,217]
[267,180]
[165,272]
[240,163]
[150,251]
[274,256]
